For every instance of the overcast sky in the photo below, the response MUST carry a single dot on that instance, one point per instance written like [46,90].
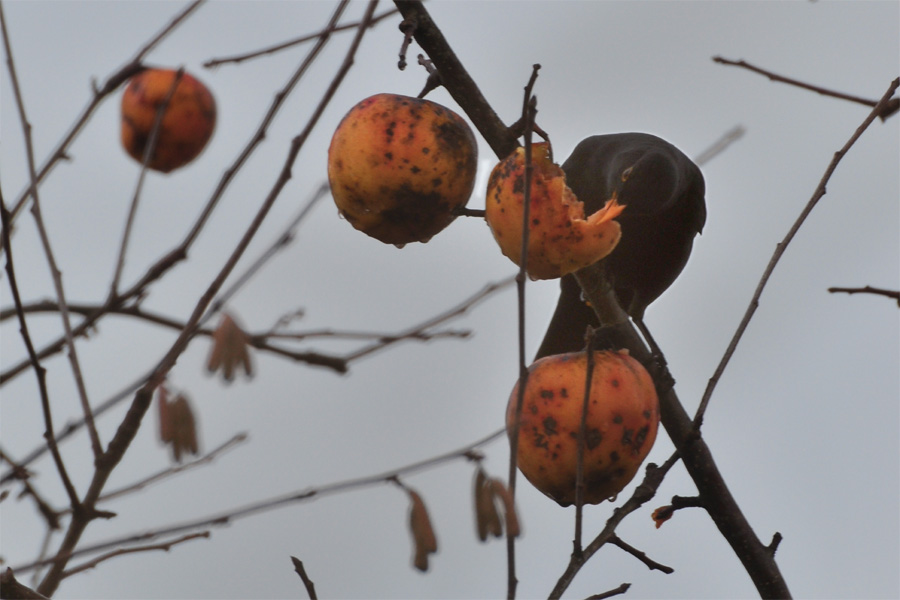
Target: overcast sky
[804,424]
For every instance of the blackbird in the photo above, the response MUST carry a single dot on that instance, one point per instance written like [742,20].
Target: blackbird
[663,191]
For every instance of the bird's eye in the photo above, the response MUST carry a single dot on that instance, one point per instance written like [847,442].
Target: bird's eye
[627,173]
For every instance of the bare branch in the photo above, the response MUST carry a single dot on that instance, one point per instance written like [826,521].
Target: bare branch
[885,110]
[307,582]
[116,304]
[720,145]
[643,493]
[609,594]
[239,58]
[868,290]
[206,459]
[417,330]
[456,79]
[39,371]
[640,555]
[529,111]
[280,243]
[467,452]
[817,195]
[51,260]
[123,551]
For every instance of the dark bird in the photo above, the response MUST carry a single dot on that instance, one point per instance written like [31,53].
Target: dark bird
[663,191]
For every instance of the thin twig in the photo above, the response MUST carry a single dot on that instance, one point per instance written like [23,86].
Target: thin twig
[40,372]
[720,145]
[73,426]
[45,548]
[149,149]
[885,110]
[415,330]
[817,195]
[466,452]
[643,493]
[116,305]
[48,512]
[418,332]
[19,470]
[206,459]
[307,582]
[529,110]
[280,243]
[55,273]
[166,546]
[615,540]
[609,594]
[257,340]
[867,290]
[456,80]
[239,58]
[50,515]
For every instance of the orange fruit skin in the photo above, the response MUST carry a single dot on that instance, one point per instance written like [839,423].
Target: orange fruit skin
[622,422]
[187,125]
[399,166]
[561,239]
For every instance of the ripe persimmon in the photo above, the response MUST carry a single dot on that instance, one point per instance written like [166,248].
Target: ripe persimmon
[561,239]
[187,125]
[400,166]
[621,425]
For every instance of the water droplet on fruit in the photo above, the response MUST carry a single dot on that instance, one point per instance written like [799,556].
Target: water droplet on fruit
[399,246]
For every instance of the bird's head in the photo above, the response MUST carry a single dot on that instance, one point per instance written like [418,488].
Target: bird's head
[645,183]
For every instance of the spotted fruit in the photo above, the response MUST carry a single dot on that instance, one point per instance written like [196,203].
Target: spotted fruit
[560,238]
[621,424]
[187,124]
[400,166]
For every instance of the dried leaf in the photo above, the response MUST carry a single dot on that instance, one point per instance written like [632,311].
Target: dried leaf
[229,350]
[184,427]
[663,514]
[177,426]
[486,518]
[509,507]
[423,533]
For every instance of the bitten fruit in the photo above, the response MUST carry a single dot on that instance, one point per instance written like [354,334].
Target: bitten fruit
[561,239]
[187,124]
[621,425]
[399,167]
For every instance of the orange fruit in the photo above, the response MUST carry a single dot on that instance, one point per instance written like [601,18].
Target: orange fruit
[560,238]
[621,424]
[399,167]
[187,124]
